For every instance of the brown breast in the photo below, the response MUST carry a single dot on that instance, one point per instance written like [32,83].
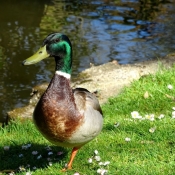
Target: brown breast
[56,115]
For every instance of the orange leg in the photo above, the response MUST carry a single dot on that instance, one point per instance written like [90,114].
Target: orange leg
[73,154]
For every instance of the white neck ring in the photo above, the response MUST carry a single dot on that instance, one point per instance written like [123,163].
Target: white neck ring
[66,75]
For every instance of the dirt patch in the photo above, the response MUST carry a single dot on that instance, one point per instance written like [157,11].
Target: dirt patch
[109,79]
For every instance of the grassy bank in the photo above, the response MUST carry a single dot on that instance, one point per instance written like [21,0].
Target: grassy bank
[140,143]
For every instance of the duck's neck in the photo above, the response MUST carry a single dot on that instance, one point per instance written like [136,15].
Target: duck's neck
[64,59]
[63,65]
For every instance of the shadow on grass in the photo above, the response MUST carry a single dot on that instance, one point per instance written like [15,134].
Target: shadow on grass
[34,157]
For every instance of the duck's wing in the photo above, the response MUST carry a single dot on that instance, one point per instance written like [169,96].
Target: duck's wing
[85,99]
[91,122]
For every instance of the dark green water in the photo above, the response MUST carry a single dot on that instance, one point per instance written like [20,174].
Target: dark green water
[101,31]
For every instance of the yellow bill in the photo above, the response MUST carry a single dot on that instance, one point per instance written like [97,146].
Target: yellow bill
[38,56]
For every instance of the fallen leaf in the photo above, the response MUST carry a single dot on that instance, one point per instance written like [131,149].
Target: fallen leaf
[169,96]
[146,94]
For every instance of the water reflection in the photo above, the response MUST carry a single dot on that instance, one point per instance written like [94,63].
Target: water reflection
[19,35]
[128,31]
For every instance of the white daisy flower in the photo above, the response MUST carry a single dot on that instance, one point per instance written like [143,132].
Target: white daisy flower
[97,158]
[90,160]
[50,163]
[106,163]
[24,147]
[152,130]
[59,153]
[39,157]
[116,124]
[50,153]
[34,152]
[6,148]
[161,116]
[101,163]
[95,152]
[102,171]
[127,139]
[12,173]
[173,113]
[20,155]
[29,145]
[76,173]
[150,117]
[21,168]
[48,148]
[170,87]
[134,114]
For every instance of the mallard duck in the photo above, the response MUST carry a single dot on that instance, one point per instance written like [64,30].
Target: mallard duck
[66,117]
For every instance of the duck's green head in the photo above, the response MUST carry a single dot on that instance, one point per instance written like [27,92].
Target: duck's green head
[55,45]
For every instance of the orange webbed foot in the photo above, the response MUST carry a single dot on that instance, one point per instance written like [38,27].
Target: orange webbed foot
[73,154]
[67,167]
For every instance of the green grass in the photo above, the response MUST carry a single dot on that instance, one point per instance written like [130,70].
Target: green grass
[146,154]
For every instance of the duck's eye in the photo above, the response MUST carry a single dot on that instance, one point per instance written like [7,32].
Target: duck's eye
[57,40]
[40,52]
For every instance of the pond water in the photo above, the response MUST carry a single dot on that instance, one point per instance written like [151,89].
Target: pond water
[128,31]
